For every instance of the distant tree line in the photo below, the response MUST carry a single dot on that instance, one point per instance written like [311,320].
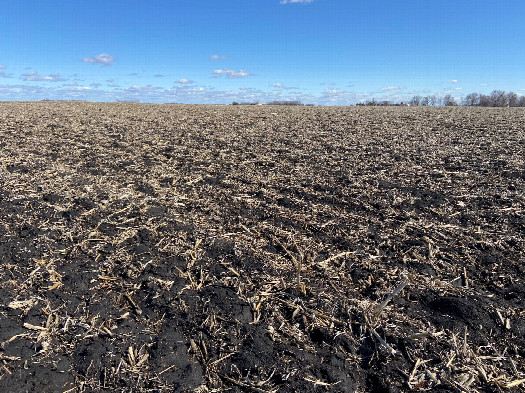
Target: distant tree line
[432,100]
[373,102]
[498,98]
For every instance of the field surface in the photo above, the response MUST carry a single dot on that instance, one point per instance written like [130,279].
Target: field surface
[173,248]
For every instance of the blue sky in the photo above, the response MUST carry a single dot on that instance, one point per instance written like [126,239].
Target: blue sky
[328,52]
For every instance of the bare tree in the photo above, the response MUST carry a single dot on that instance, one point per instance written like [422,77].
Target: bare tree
[471,99]
[512,99]
[425,101]
[485,100]
[498,98]
[415,101]
[432,100]
[448,100]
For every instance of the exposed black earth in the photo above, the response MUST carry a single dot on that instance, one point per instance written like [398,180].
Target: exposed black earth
[172,248]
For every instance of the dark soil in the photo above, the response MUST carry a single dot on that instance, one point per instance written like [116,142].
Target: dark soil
[172,248]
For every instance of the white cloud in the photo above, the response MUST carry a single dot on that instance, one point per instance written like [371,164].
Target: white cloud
[392,88]
[2,67]
[458,88]
[296,1]
[158,76]
[204,95]
[231,74]
[279,85]
[453,81]
[34,77]
[483,84]
[137,89]
[423,91]
[70,84]
[4,75]
[217,57]
[184,81]
[251,90]
[183,93]
[103,58]
[190,94]
[522,89]
[341,97]
[38,92]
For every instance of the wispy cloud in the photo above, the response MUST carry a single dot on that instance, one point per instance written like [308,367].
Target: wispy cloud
[141,89]
[279,85]
[458,88]
[96,85]
[40,92]
[453,81]
[184,81]
[296,1]
[158,76]
[5,75]
[231,74]
[250,89]
[483,84]
[422,91]
[2,67]
[103,58]
[341,97]
[70,84]
[112,83]
[217,57]
[183,93]
[392,88]
[34,77]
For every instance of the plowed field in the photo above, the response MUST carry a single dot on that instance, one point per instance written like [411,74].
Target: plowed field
[173,248]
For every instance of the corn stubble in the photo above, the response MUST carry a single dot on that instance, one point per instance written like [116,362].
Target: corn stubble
[160,248]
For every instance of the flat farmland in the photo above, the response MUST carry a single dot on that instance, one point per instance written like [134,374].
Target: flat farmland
[178,248]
